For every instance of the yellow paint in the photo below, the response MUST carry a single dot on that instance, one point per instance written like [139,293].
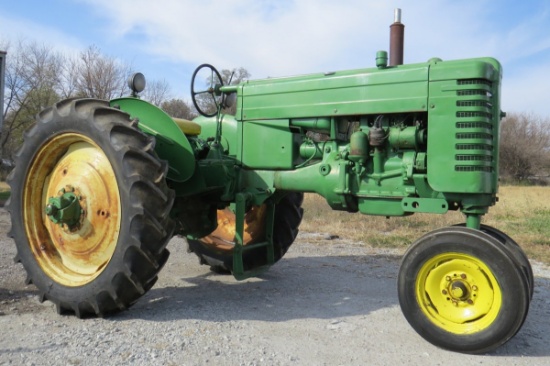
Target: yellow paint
[458,293]
[72,258]
[188,127]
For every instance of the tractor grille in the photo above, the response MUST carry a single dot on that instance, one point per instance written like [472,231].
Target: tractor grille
[474,126]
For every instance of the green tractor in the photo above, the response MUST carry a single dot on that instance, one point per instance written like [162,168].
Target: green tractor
[100,187]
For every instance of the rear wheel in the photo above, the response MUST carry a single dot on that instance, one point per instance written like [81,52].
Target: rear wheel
[216,249]
[461,290]
[89,208]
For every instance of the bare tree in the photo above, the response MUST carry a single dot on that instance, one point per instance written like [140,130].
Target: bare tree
[156,92]
[100,76]
[37,77]
[524,147]
[234,76]
[33,81]
[179,108]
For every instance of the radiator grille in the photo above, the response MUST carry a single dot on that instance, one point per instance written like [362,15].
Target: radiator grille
[474,147]
[468,125]
[475,82]
[485,93]
[474,114]
[477,136]
[473,168]
[474,158]
[473,103]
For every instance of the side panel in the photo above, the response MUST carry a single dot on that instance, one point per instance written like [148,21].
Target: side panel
[268,144]
[368,91]
[171,143]
[464,116]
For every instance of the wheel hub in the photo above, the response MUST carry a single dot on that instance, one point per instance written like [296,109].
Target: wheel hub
[459,290]
[65,209]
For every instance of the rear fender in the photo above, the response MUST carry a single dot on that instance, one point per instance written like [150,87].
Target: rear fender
[171,143]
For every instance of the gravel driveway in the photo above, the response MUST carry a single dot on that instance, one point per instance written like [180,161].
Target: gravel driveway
[328,302]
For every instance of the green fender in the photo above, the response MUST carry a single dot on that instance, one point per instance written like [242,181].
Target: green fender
[171,143]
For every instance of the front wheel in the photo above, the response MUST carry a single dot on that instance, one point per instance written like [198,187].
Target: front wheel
[89,208]
[518,253]
[462,291]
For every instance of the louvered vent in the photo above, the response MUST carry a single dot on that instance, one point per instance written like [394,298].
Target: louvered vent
[474,126]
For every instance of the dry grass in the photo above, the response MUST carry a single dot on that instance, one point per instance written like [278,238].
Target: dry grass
[522,212]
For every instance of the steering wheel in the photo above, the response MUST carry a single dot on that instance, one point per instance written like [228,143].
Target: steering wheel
[213,83]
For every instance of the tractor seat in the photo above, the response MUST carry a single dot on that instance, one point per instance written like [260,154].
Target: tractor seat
[188,127]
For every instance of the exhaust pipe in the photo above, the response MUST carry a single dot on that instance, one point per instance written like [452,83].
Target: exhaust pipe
[397,39]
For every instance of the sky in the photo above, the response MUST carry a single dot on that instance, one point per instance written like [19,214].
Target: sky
[168,39]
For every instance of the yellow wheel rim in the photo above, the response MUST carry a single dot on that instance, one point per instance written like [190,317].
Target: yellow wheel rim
[76,256]
[458,292]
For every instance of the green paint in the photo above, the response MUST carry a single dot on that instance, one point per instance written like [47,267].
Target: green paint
[64,209]
[389,141]
[171,143]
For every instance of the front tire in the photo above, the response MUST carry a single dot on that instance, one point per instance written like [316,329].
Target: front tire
[462,291]
[518,253]
[111,256]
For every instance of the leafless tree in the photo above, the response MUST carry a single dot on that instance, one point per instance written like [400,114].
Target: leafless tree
[179,108]
[100,76]
[524,147]
[234,76]
[33,82]
[156,92]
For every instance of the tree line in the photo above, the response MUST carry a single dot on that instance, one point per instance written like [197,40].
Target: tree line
[36,77]
[525,149]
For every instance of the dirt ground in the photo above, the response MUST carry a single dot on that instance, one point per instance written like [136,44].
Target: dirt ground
[328,302]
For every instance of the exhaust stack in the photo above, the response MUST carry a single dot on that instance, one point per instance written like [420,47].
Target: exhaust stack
[397,39]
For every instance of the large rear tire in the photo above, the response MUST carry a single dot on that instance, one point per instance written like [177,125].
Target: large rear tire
[216,249]
[111,256]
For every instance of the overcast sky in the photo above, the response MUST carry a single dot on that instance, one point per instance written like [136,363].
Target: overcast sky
[167,39]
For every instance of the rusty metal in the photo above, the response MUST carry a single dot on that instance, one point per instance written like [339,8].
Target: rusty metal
[223,238]
[72,256]
[397,40]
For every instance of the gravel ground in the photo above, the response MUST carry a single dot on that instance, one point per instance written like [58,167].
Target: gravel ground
[326,303]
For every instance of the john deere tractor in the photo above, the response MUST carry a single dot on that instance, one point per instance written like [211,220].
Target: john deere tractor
[101,186]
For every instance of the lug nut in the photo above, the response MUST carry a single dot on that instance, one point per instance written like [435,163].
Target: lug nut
[463,276]
[474,288]
[444,292]
[448,278]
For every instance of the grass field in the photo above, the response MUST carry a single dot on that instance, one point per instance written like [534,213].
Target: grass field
[522,212]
